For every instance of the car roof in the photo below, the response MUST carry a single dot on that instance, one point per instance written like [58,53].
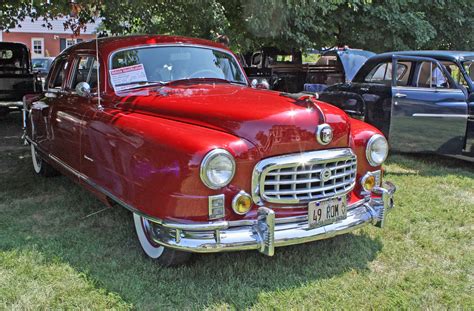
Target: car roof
[437,54]
[110,44]
[13,44]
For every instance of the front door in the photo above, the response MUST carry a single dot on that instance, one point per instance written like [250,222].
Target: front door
[429,114]
[68,115]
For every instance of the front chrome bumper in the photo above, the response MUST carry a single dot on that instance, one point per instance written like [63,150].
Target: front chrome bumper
[268,232]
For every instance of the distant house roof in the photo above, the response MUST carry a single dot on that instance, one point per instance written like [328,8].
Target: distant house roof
[57,27]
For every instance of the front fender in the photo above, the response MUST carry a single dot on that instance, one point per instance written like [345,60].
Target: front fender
[153,164]
[361,132]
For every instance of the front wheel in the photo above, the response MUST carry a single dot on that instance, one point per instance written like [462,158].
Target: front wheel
[40,167]
[164,256]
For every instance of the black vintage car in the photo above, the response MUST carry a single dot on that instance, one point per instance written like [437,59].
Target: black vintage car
[427,106]
[296,71]
[16,76]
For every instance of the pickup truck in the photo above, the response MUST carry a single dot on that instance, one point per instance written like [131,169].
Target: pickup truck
[17,78]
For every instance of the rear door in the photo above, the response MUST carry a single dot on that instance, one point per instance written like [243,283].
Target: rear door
[42,131]
[429,114]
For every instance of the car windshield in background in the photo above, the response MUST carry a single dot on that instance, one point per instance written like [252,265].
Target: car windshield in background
[135,67]
[13,59]
[39,63]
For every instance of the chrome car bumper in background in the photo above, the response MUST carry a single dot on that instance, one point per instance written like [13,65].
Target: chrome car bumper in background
[268,232]
[16,104]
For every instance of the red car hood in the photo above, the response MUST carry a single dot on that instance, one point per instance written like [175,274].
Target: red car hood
[275,124]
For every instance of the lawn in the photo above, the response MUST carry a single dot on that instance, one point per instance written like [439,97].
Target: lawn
[56,252]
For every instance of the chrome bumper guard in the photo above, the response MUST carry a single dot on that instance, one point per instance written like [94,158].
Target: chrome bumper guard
[268,232]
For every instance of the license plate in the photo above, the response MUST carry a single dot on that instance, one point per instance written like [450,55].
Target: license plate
[325,212]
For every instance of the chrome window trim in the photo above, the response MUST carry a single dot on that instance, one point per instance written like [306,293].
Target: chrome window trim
[151,45]
[290,160]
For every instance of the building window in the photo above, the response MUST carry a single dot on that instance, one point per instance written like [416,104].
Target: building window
[70,42]
[37,46]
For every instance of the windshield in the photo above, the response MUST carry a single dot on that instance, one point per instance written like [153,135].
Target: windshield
[172,63]
[40,63]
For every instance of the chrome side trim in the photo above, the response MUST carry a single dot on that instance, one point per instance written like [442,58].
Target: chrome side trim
[436,115]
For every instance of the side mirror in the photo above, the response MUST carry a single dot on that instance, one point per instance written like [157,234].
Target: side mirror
[83,89]
[262,84]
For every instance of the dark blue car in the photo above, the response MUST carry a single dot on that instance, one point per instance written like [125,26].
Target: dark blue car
[427,106]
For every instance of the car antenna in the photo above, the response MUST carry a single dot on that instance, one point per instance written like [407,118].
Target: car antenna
[99,105]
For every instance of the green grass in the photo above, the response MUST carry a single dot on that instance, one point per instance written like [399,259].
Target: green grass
[54,255]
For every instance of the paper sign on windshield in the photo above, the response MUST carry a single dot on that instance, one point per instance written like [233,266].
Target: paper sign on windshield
[124,77]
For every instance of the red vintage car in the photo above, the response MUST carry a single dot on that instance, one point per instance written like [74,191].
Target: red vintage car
[169,128]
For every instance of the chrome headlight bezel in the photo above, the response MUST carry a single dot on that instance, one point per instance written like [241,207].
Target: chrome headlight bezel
[369,149]
[204,170]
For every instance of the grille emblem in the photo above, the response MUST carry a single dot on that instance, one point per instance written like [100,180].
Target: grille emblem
[324,134]
[325,174]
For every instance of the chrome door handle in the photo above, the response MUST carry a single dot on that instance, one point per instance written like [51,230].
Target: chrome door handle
[400,95]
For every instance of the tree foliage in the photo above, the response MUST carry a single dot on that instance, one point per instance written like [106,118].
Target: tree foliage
[377,25]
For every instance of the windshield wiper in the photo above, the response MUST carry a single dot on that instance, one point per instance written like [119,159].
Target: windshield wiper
[201,79]
[140,84]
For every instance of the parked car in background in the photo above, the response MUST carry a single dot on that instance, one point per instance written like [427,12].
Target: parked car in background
[311,71]
[427,106]
[42,65]
[173,132]
[16,76]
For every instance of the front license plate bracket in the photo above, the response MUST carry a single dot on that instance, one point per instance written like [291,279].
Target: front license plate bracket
[327,211]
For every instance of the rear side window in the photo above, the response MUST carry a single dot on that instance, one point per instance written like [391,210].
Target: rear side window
[85,71]
[58,74]
[431,76]
[382,73]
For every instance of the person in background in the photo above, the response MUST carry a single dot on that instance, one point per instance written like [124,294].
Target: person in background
[224,64]
[224,40]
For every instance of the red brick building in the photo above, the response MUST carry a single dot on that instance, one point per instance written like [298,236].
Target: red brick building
[45,42]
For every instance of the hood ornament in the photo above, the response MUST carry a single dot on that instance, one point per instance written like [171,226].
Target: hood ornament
[324,134]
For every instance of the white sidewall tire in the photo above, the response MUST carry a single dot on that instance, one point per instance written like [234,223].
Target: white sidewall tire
[37,161]
[151,250]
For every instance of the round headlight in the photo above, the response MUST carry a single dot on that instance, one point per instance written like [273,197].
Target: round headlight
[217,168]
[377,150]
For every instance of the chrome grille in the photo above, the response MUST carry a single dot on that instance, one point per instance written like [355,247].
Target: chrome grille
[297,178]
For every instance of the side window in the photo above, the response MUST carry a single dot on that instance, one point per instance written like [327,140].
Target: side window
[58,74]
[382,73]
[85,71]
[431,76]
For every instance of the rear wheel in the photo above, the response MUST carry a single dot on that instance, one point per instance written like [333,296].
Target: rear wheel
[163,255]
[40,167]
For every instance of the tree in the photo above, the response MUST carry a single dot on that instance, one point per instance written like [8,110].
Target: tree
[377,25]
